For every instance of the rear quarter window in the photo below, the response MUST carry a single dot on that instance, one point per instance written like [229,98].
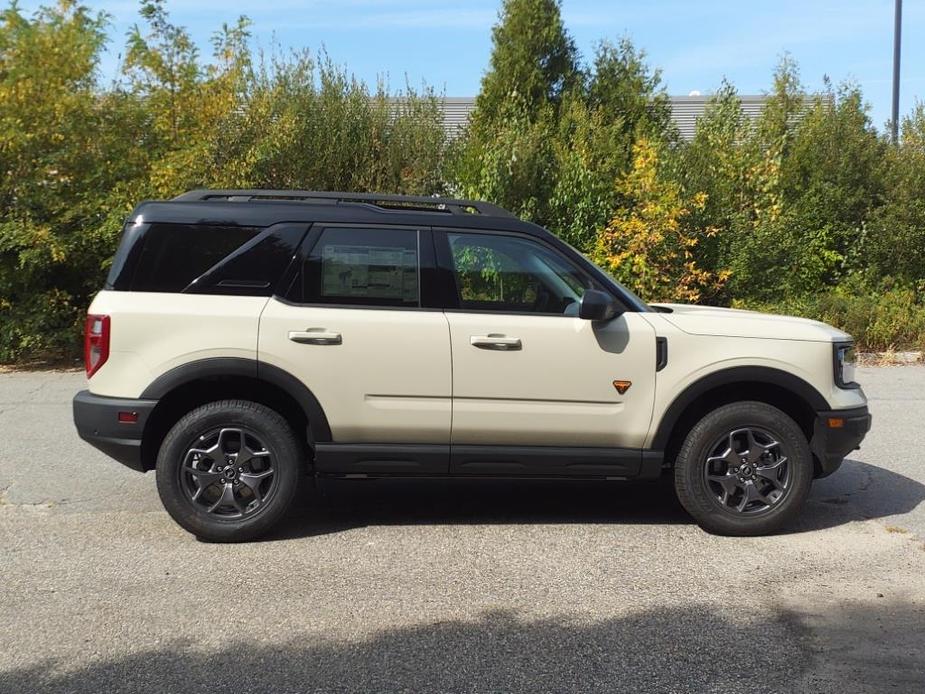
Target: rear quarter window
[173,255]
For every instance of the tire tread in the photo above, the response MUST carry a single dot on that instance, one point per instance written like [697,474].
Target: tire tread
[687,469]
[288,461]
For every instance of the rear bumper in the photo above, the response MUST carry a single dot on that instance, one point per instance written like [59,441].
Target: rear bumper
[835,434]
[97,420]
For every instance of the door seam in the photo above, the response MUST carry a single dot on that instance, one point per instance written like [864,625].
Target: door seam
[449,336]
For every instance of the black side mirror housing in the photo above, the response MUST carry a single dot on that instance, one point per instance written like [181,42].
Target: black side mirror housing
[598,305]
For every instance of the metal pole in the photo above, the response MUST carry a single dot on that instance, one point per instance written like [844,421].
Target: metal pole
[897,41]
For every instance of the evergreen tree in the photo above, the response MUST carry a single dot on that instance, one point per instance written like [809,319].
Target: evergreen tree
[629,93]
[508,152]
[533,62]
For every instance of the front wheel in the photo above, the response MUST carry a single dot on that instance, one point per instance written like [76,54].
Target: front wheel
[744,469]
[228,470]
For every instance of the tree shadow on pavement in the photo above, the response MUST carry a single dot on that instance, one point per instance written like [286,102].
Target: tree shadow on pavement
[684,649]
[857,491]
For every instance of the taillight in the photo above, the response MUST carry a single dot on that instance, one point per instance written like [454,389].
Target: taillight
[96,343]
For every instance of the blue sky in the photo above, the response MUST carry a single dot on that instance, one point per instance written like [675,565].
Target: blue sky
[695,42]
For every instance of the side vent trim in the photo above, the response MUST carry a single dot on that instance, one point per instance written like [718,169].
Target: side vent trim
[661,353]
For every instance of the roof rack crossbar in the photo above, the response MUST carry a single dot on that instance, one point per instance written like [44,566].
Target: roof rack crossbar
[452,205]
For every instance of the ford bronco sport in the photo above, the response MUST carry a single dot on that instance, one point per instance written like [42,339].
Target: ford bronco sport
[245,338]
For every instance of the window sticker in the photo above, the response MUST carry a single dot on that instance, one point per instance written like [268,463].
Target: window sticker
[382,272]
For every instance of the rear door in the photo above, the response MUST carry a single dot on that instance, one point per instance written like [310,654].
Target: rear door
[354,330]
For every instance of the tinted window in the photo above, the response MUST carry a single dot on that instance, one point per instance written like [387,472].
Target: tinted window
[514,275]
[126,258]
[255,268]
[173,255]
[363,266]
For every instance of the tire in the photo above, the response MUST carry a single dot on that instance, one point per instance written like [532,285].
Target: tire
[194,475]
[737,492]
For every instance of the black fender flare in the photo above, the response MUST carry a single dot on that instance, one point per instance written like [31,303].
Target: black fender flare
[736,374]
[217,367]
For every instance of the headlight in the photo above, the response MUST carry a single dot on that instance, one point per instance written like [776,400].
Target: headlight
[845,360]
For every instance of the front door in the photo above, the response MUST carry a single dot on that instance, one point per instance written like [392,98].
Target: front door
[529,375]
[353,330]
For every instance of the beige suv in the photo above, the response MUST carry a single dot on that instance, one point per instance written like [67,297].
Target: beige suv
[245,338]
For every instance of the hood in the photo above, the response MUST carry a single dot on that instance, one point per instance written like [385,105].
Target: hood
[730,322]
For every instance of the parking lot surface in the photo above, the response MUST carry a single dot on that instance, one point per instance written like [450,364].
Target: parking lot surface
[456,587]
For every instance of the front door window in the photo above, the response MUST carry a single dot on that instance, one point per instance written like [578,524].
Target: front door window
[509,274]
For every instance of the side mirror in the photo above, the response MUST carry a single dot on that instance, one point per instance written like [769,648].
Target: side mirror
[598,305]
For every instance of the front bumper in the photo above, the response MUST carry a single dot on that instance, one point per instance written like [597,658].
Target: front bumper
[97,420]
[835,434]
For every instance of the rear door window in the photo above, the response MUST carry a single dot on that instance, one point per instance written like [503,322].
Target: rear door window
[363,266]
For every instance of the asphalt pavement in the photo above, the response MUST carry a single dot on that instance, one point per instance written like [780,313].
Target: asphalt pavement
[456,587]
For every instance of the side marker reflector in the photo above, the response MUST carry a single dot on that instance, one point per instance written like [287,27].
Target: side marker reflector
[836,422]
[128,417]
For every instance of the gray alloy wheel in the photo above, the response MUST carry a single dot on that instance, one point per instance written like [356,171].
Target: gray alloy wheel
[747,471]
[228,472]
[744,469]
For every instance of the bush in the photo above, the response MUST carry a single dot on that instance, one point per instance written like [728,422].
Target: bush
[808,210]
[550,136]
[892,320]
[649,245]
[77,157]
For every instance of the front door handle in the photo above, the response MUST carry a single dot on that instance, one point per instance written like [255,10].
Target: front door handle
[316,336]
[502,343]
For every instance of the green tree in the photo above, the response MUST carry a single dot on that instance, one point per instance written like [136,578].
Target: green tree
[597,130]
[50,120]
[831,184]
[629,94]
[893,243]
[650,245]
[716,163]
[507,154]
[549,138]
[814,183]
[304,123]
[533,62]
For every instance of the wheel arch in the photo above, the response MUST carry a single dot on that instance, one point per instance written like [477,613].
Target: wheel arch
[789,393]
[195,383]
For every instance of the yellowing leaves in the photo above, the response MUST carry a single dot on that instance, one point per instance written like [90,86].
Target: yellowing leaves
[647,244]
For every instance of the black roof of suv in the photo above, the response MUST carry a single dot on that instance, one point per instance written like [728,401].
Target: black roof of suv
[241,241]
[266,207]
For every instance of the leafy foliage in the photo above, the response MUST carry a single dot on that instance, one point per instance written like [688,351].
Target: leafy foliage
[648,244]
[807,210]
[77,157]
[49,123]
[534,62]
[892,239]
[888,319]
[553,154]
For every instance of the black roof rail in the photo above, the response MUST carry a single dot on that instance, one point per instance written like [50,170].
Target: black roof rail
[401,202]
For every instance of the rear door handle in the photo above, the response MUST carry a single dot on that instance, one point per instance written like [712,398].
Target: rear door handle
[502,343]
[316,336]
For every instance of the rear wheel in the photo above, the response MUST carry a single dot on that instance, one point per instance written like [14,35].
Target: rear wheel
[228,470]
[744,469]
